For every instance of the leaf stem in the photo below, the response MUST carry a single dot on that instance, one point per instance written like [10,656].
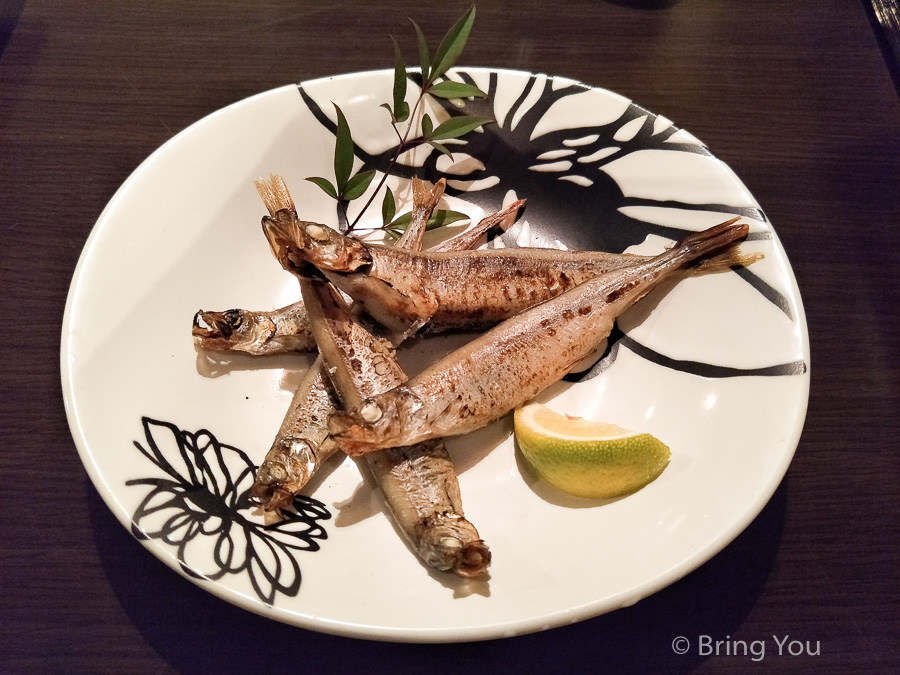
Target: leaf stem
[401,148]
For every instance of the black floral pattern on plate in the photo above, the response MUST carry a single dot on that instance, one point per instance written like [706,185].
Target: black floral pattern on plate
[201,507]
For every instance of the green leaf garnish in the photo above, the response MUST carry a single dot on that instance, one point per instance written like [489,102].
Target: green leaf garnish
[388,207]
[401,107]
[439,218]
[343,152]
[448,89]
[440,148]
[427,126]
[326,185]
[451,46]
[358,184]
[456,127]
[424,58]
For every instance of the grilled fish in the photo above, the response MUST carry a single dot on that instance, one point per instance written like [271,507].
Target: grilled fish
[447,290]
[513,362]
[259,333]
[418,482]
[287,329]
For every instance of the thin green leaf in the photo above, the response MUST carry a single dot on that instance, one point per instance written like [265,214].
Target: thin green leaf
[441,148]
[448,89]
[451,46]
[439,218]
[326,185]
[442,217]
[388,207]
[401,114]
[401,108]
[427,125]
[424,58]
[387,106]
[343,152]
[400,223]
[357,185]
[457,126]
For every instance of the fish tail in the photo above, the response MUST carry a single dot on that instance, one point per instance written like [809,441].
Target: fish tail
[275,194]
[727,260]
[425,201]
[700,244]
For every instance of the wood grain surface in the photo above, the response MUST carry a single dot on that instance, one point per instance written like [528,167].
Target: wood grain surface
[795,97]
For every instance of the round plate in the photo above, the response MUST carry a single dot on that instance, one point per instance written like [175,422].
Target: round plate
[716,366]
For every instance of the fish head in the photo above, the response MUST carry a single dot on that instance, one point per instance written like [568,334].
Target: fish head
[231,329]
[453,545]
[295,242]
[220,329]
[382,421]
[285,240]
[284,472]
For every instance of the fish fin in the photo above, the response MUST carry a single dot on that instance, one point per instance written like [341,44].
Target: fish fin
[275,195]
[466,240]
[425,201]
[724,261]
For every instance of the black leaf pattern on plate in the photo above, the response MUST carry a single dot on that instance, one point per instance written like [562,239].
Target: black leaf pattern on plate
[201,507]
[567,204]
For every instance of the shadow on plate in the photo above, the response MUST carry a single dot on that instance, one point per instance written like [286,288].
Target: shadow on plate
[196,632]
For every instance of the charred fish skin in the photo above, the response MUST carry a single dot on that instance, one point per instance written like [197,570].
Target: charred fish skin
[516,360]
[418,482]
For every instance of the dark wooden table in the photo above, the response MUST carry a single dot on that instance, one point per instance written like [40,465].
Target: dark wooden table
[796,97]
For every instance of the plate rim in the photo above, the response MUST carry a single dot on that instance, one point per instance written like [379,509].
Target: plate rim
[553,619]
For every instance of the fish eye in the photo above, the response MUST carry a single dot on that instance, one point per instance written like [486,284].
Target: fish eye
[271,473]
[370,411]
[233,317]
[317,233]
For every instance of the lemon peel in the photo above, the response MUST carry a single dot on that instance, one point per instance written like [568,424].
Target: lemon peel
[584,458]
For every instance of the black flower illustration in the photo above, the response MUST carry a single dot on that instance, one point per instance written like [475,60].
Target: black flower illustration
[202,508]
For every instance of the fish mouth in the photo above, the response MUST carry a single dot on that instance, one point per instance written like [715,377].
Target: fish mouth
[285,240]
[216,325]
[272,498]
[472,560]
[270,490]
[454,546]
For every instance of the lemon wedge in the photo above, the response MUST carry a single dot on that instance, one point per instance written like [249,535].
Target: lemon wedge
[584,458]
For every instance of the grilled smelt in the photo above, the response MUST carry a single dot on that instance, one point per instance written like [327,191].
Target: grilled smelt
[418,482]
[287,330]
[446,290]
[513,362]
[260,333]
[301,445]
[425,201]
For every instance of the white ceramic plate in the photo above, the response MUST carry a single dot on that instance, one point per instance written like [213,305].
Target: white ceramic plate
[717,368]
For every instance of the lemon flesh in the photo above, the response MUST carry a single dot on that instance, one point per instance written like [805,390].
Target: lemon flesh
[584,458]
